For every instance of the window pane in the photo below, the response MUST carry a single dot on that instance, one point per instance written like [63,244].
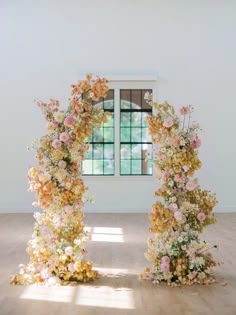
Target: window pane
[135,142]
[109,167]
[145,135]
[98,151]
[98,167]
[125,167]
[136,167]
[144,119]
[88,154]
[108,151]
[125,119]
[136,151]
[98,135]
[110,121]
[136,119]
[125,151]
[136,135]
[87,167]
[125,134]
[108,134]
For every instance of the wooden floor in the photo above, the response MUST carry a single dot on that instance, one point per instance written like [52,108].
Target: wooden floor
[117,247]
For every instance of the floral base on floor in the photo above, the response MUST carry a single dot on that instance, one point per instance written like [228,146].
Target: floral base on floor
[58,243]
[177,253]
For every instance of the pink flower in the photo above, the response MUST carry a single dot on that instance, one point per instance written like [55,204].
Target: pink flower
[56,144]
[165,267]
[178,215]
[168,122]
[165,260]
[165,175]
[184,110]
[201,216]
[45,230]
[197,143]
[64,137]
[173,207]
[69,121]
[176,141]
[193,136]
[190,186]
[69,209]
[71,267]
[179,179]
[62,164]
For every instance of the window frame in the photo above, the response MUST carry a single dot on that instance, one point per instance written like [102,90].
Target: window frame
[117,83]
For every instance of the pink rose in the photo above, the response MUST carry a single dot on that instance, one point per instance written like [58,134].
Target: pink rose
[201,216]
[69,121]
[165,267]
[168,122]
[64,137]
[184,110]
[62,164]
[197,143]
[56,144]
[178,215]
[69,209]
[173,207]
[190,186]
[165,260]
[179,179]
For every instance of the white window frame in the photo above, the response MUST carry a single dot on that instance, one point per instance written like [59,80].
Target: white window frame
[117,83]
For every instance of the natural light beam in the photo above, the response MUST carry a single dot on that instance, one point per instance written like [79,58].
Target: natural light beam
[53,294]
[104,296]
[107,238]
[107,230]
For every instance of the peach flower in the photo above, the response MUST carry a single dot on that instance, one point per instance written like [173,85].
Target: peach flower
[184,110]
[168,122]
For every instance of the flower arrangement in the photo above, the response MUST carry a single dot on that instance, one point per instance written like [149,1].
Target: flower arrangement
[58,243]
[177,254]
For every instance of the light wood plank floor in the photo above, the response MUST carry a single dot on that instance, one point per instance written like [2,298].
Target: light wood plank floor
[117,247]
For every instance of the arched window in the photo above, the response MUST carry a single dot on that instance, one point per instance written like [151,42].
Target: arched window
[122,146]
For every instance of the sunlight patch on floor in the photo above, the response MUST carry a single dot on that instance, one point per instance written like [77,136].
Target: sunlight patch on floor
[104,296]
[106,234]
[53,294]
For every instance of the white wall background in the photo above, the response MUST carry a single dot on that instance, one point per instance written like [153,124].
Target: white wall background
[45,45]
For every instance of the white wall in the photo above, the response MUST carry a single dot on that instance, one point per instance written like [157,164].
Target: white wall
[45,45]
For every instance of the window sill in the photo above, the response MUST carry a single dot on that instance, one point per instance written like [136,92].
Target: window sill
[119,178]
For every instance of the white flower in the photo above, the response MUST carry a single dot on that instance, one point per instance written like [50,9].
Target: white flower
[45,273]
[171,183]
[173,199]
[59,116]
[182,142]
[180,239]
[69,250]
[170,152]
[53,281]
